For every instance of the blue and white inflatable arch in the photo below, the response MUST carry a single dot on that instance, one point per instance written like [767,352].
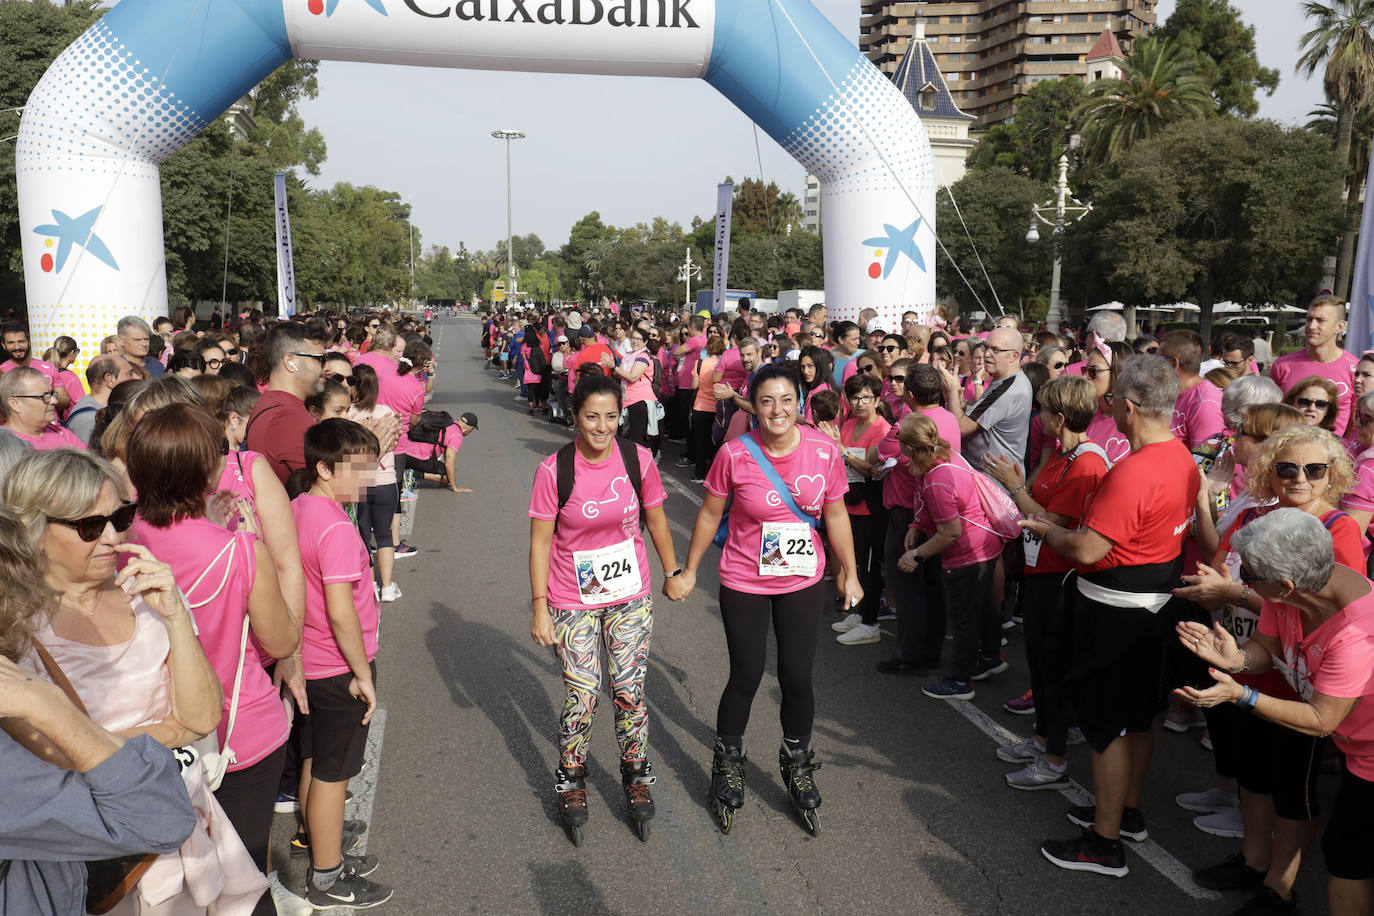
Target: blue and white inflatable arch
[152,73]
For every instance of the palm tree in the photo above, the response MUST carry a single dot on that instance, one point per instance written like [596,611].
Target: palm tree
[1324,121]
[1341,41]
[1158,86]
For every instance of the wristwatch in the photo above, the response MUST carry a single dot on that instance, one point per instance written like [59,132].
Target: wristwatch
[674,574]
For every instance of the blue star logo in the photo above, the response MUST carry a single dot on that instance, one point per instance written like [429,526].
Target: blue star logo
[71,231]
[334,4]
[898,242]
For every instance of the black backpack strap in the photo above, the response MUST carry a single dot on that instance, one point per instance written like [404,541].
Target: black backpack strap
[254,419]
[564,461]
[990,397]
[629,453]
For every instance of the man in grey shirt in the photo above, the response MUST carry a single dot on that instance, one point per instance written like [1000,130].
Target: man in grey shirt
[102,375]
[998,423]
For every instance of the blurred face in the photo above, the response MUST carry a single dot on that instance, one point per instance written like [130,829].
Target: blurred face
[1324,324]
[351,477]
[135,343]
[73,560]
[776,405]
[1097,372]
[214,359]
[17,345]
[808,370]
[598,421]
[1298,491]
[1312,402]
[34,407]
[1364,373]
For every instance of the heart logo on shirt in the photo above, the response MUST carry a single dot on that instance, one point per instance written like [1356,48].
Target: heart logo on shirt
[592,508]
[1117,448]
[807,490]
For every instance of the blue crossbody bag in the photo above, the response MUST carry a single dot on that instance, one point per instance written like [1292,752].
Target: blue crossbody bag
[756,451]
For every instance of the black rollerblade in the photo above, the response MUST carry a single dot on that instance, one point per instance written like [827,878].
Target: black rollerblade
[572,800]
[636,778]
[796,766]
[727,784]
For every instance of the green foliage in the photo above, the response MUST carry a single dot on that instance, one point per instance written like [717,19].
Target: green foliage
[1211,209]
[996,205]
[1031,144]
[1224,47]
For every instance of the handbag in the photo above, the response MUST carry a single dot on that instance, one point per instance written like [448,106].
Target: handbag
[108,881]
[785,494]
[215,760]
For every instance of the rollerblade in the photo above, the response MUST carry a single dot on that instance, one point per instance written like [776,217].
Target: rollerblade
[635,776]
[727,784]
[572,800]
[796,766]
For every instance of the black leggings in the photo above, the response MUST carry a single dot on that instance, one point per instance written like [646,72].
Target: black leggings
[247,797]
[375,514]
[795,618]
[637,423]
[869,534]
[702,449]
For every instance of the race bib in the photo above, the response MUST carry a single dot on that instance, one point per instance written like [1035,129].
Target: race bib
[852,475]
[786,549]
[1031,542]
[186,757]
[609,574]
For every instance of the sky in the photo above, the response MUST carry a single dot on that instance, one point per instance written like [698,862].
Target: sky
[630,148]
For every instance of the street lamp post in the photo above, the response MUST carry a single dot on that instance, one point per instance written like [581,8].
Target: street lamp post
[685,272]
[410,229]
[1058,211]
[508,136]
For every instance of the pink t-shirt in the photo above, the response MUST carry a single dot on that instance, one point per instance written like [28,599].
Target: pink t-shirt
[877,429]
[68,382]
[947,492]
[731,369]
[587,561]
[695,346]
[238,477]
[1103,431]
[947,425]
[1292,368]
[642,388]
[1361,495]
[48,369]
[380,363]
[332,551]
[1197,414]
[813,472]
[54,436]
[217,578]
[1336,659]
[404,394]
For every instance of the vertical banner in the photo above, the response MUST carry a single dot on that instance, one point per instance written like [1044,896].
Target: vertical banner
[1359,335]
[286,269]
[725,202]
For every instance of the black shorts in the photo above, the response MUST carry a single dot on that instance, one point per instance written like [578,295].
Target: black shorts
[1348,843]
[333,736]
[1267,759]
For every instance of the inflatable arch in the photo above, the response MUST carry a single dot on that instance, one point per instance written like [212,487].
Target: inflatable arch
[151,74]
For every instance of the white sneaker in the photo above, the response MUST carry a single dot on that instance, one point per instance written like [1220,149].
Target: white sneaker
[1227,822]
[391,592]
[1039,774]
[861,634]
[849,623]
[1027,751]
[1207,802]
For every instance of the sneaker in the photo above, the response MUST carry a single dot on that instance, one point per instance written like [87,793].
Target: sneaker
[352,833]
[987,667]
[352,892]
[850,622]
[1075,737]
[1227,822]
[1088,852]
[1017,619]
[391,592]
[362,866]
[683,462]
[1009,624]
[1267,902]
[948,689]
[1182,718]
[405,550]
[1231,874]
[1207,802]
[1026,751]
[286,804]
[885,610]
[377,591]
[1039,774]
[1024,705]
[900,666]
[1132,821]
[698,480]
[863,634]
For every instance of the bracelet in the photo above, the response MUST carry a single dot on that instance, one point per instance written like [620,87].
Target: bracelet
[1244,595]
[539,598]
[674,574]
[1254,697]
[1017,490]
[1245,654]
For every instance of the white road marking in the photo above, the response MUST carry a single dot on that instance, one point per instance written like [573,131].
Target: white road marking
[1163,862]
[692,497]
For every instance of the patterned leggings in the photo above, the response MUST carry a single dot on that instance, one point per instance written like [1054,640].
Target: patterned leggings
[625,629]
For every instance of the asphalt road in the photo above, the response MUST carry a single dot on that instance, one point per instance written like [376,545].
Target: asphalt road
[916,816]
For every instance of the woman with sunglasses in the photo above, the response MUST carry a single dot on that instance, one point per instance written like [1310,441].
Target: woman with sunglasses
[1305,468]
[1313,642]
[125,639]
[1317,399]
[1103,429]
[1054,359]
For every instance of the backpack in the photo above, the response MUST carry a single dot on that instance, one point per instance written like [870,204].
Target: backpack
[429,429]
[1000,509]
[629,453]
[538,364]
[76,413]
[654,376]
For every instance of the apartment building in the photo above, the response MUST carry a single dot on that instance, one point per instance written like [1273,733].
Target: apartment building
[992,51]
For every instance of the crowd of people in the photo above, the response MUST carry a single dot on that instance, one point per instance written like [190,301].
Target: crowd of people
[194,547]
[1183,532]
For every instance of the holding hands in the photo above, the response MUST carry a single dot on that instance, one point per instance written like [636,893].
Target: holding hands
[680,586]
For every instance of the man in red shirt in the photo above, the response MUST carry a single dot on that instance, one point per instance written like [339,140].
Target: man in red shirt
[1128,551]
[593,352]
[277,426]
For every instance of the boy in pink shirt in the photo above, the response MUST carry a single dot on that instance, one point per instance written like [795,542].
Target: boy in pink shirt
[338,652]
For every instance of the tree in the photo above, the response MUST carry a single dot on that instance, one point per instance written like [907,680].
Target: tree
[1031,144]
[755,207]
[1158,87]
[1341,42]
[1323,121]
[1224,47]
[1211,209]
[996,205]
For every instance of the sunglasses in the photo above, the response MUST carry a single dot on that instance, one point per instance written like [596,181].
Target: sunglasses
[319,356]
[231,352]
[348,380]
[1288,470]
[1152,350]
[1092,372]
[890,348]
[93,526]
[1059,366]
[869,368]
[1310,403]
[897,378]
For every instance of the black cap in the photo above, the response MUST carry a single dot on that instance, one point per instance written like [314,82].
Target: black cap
[469,419]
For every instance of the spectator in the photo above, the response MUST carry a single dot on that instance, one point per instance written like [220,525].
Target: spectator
[1318,400]
[28,408]
[1322,356]
[134,338]
[1197,415]
[277,426]
[102,375]
[995,424]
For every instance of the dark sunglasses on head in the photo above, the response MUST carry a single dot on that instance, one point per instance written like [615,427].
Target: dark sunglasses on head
[93,526]
[1310,403]
[1288,470]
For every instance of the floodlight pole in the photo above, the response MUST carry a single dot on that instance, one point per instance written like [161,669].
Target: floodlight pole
[508,136]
